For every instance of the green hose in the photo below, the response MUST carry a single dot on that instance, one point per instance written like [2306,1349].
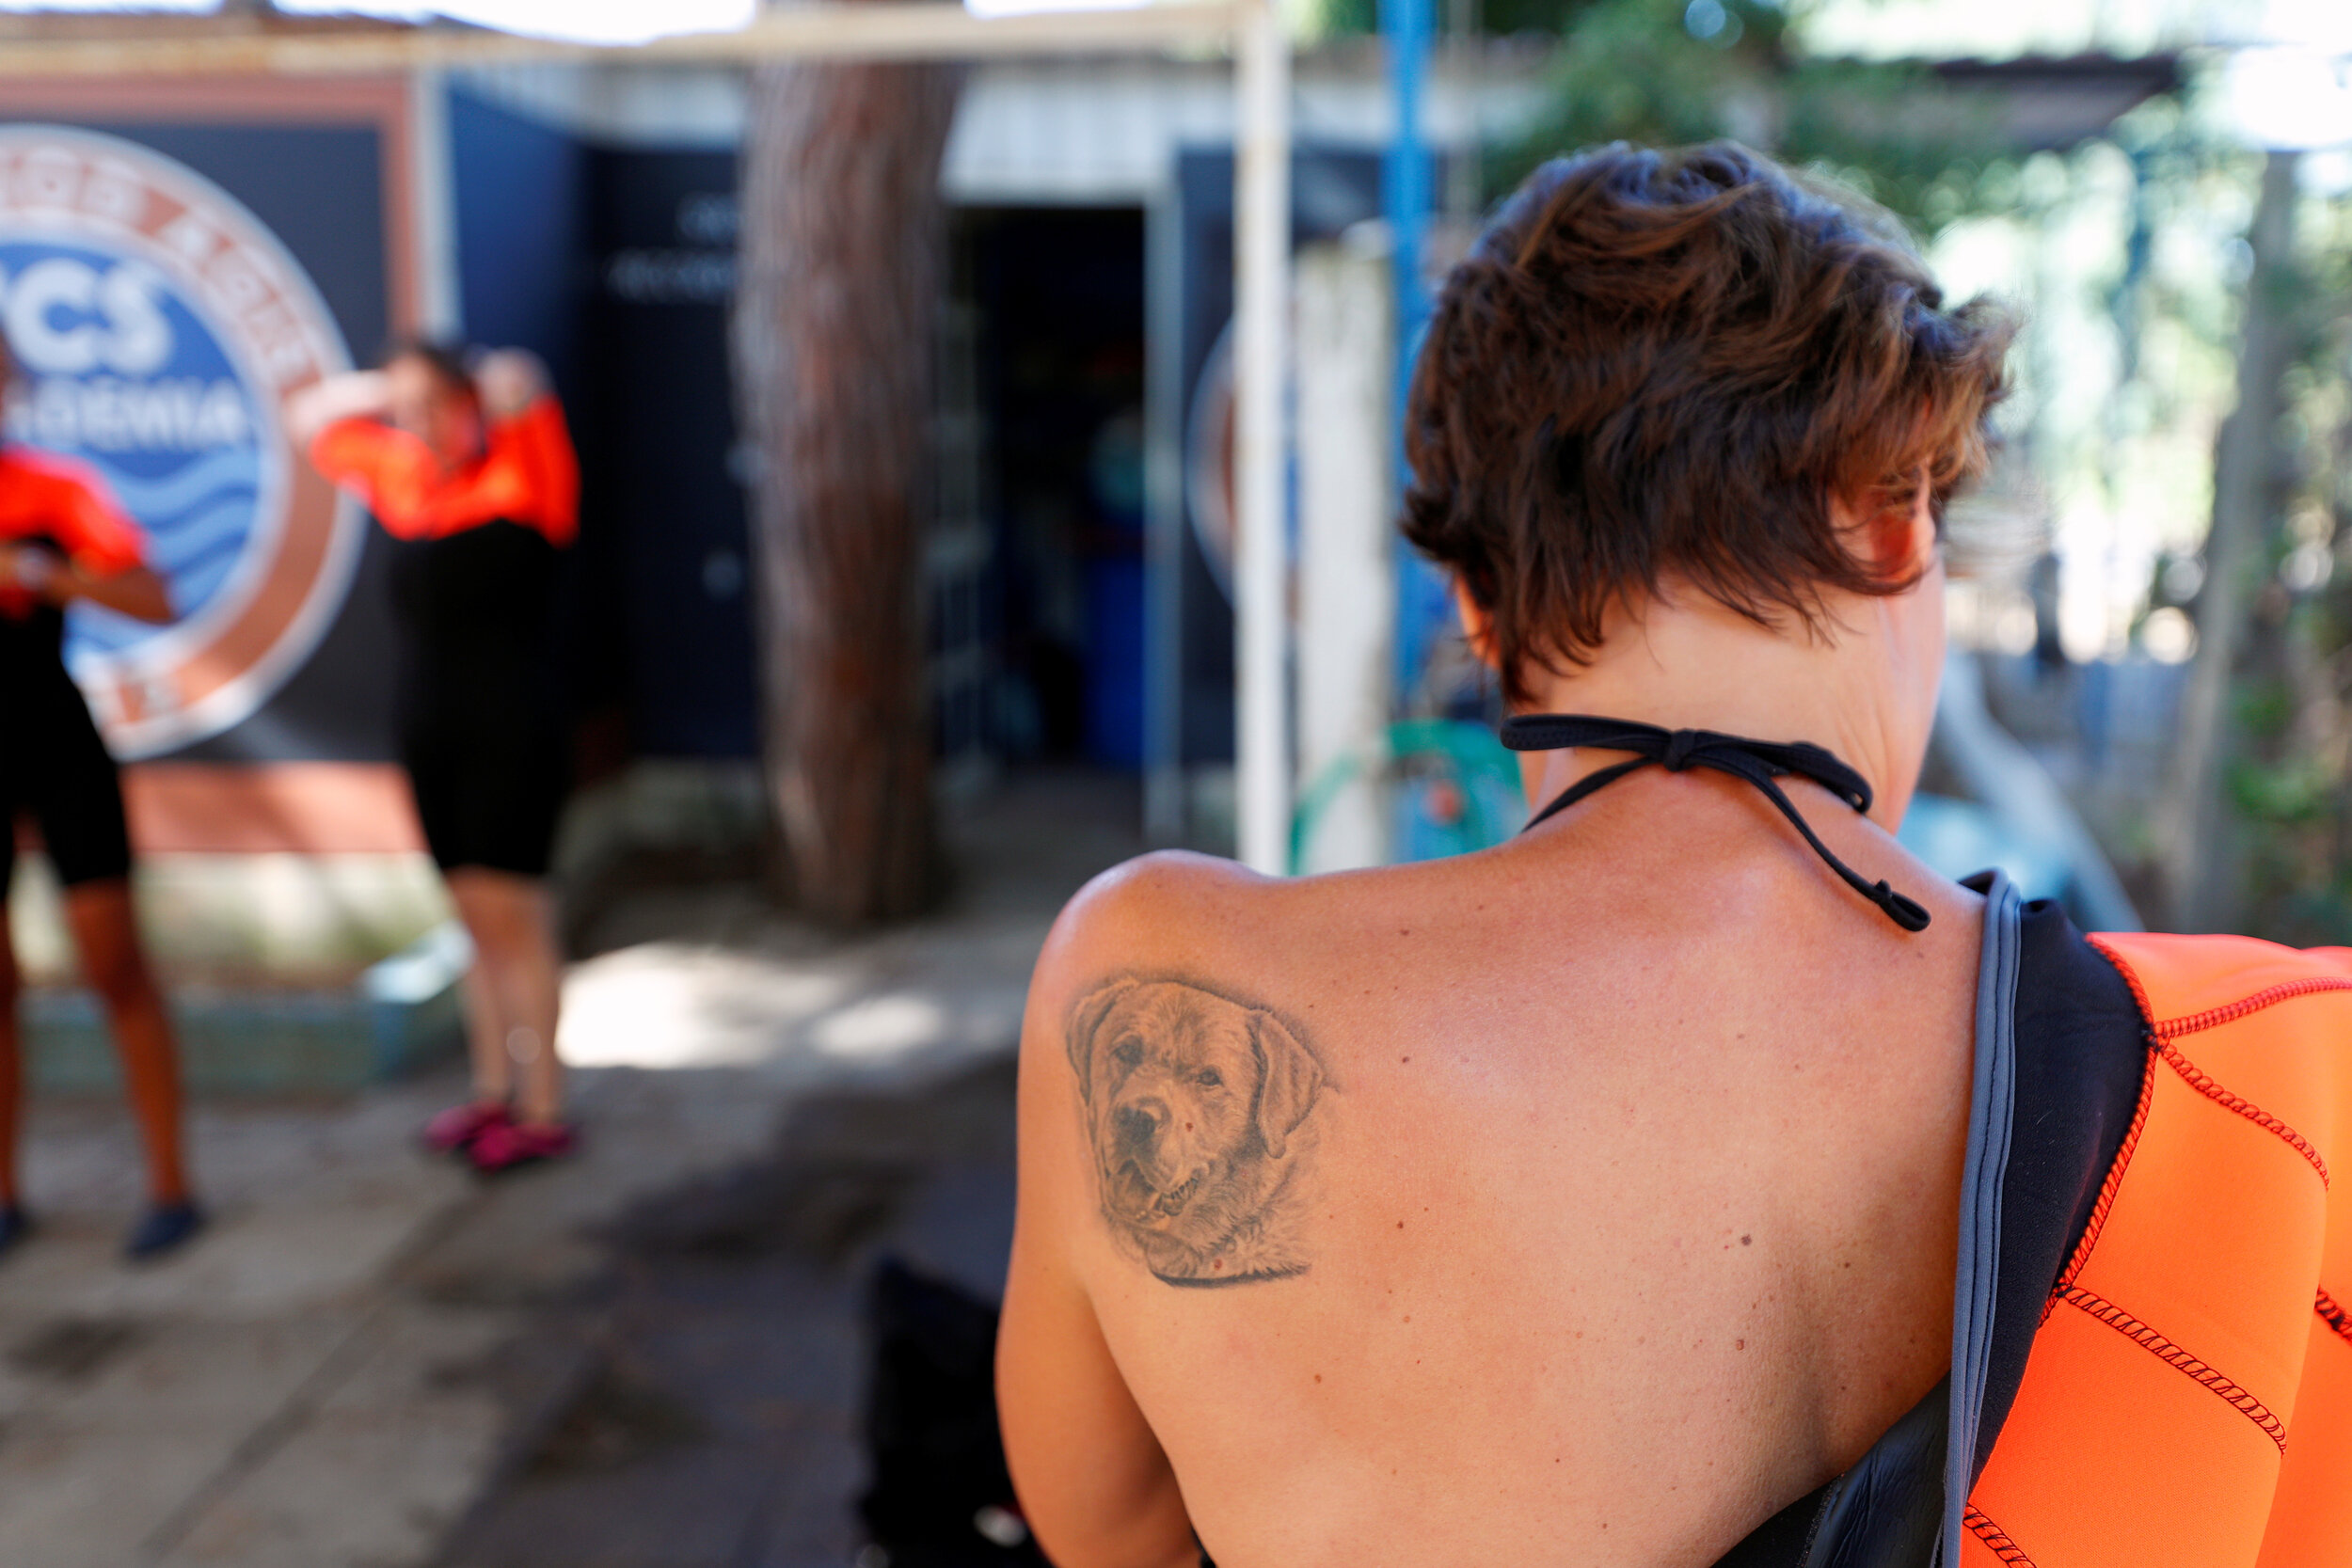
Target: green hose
[1479,767]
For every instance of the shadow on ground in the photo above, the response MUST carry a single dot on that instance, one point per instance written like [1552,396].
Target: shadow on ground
[710,1417]
[646,1354]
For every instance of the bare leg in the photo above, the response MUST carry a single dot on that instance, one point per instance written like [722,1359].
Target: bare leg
[485,1022]
[11,1053]
[516,965]
[107,934]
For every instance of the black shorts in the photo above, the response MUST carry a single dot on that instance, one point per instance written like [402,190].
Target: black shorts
[478,727]
[55,770]
[485,798]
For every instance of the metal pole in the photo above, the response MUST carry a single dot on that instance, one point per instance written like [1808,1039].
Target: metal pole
[1164,814]
[1408,25]
[1261,332]
[1406,187]
[441,304]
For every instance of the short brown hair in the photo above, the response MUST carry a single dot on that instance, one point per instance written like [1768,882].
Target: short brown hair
[1670,361]
[449,361]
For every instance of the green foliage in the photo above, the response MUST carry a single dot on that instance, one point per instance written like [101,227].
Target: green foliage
[2295,793]
[1501,18]
[1494,18]
[2290,764]
[1665,73]
[2264,709]
[1343,18]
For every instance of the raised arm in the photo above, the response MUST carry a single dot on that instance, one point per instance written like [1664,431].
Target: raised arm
[1094,1480]
[510,380]
[527,425]
[138,591]
[358,394]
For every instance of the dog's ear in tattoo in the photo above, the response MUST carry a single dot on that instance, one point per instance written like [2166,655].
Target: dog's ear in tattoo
[1288,1079]
[1086,1024]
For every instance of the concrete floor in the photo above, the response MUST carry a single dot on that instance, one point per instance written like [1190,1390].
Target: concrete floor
[644,1358]
[713,1419]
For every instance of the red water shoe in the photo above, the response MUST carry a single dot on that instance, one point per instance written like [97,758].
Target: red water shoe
[459,1126]
[513,1144]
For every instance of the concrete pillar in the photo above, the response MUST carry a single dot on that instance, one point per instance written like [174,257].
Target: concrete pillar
[1262,256]
[1345,374]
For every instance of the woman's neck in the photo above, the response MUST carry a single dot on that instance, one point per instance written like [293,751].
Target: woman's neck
[1854,685]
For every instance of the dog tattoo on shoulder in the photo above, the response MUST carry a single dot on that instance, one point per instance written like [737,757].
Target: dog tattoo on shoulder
[1198,1117]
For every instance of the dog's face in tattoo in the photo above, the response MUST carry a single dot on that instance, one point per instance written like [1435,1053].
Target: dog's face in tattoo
[1193,1105]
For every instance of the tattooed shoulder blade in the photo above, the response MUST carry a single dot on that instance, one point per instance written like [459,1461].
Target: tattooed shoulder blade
[1198,1120]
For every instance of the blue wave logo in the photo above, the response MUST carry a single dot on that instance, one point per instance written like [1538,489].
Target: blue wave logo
[120,373]
[197,521]
[156,324]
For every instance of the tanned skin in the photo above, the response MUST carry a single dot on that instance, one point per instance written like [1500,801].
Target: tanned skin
[1587,1200]
[1200,1118]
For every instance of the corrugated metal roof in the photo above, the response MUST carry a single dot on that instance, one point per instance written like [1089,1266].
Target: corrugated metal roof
[1074,131]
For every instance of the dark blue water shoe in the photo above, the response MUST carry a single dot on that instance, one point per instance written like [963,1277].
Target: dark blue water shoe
[15,1225]
[164,1227]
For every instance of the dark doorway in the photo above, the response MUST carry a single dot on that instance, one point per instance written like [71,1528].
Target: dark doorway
[668,637]
[1056,296]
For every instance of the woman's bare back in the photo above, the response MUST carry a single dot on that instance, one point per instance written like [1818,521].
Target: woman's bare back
[1592,1198]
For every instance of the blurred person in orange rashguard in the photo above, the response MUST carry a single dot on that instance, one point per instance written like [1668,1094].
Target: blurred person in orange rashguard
[467,465]
[62,539]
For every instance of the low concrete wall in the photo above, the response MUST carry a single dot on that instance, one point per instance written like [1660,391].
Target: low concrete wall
[273,921]
[294,973]
[400,1016]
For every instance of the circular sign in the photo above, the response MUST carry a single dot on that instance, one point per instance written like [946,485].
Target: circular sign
[1208,462]
[157,325]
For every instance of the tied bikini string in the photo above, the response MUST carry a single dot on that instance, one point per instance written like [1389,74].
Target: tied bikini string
[1761,763]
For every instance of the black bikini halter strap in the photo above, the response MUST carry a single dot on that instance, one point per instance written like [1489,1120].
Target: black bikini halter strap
[1759,762]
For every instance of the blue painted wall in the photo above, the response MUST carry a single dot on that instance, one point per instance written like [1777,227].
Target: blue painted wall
[520,197]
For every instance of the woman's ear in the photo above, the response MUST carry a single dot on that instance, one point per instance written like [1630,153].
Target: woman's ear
[1894,531]
[1916,535]
[1477,627]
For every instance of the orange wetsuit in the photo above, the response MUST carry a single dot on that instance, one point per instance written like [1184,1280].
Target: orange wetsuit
[2190,1396]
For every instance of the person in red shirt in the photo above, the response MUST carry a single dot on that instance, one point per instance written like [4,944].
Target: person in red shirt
[63,539]
[470,470]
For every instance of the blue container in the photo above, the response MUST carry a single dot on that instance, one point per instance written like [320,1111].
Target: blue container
[1114,662]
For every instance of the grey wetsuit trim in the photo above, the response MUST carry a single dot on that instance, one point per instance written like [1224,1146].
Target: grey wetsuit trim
[1990,1109]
